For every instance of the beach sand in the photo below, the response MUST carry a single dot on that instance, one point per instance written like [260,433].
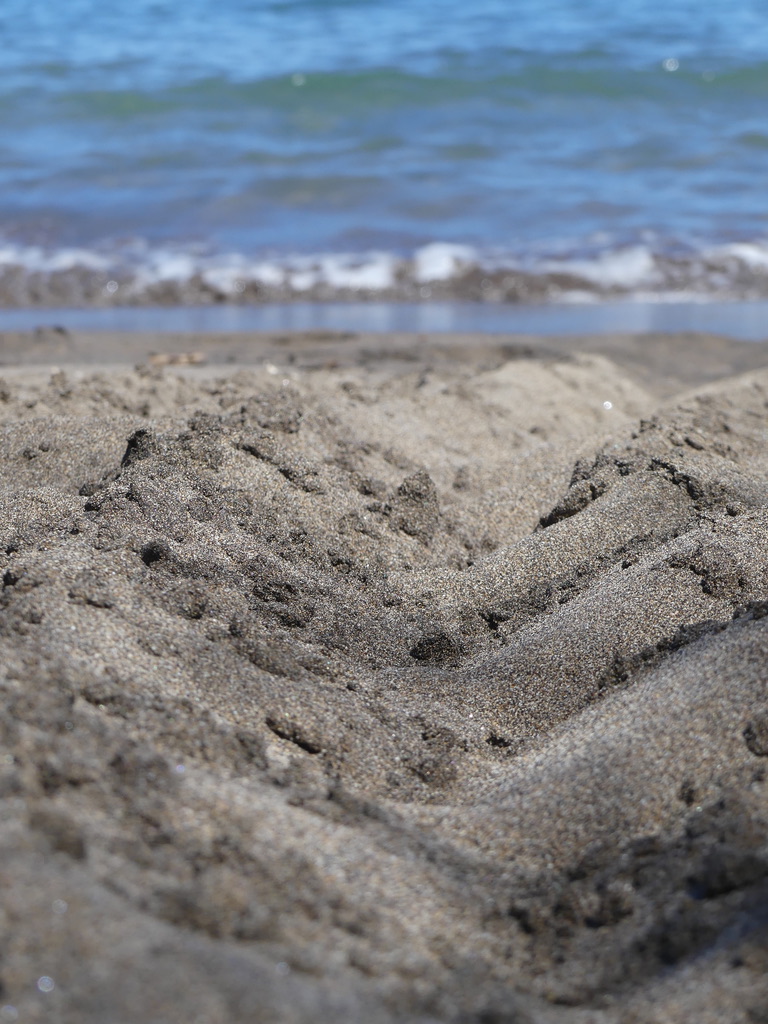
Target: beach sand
[372,679]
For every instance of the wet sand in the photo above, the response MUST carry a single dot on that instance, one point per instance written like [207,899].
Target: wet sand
[383,678]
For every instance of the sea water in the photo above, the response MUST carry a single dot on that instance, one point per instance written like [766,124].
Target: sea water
[257,150]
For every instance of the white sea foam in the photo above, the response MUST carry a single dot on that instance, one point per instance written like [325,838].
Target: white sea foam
[132,271]
[622,268]
[37,259]
[374,272]
[230,273]
[228,278]
[440,261]
[752,254]
[171,266]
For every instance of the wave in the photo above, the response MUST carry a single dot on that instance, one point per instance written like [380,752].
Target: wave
[142,274]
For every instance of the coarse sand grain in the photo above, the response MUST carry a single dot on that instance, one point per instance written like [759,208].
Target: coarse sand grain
[366,679]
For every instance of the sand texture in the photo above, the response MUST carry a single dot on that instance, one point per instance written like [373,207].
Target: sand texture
[353,679]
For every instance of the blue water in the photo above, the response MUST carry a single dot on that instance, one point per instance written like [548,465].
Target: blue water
[747,321]
[623,144]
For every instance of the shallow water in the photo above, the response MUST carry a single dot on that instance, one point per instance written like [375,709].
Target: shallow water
[745,320]
[298,145]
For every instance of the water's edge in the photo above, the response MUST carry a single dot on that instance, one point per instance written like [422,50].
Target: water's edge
[744,320]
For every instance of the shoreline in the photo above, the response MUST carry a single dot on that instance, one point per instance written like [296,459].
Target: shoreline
[740,319]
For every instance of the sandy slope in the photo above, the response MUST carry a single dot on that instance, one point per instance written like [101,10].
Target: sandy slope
[384,680]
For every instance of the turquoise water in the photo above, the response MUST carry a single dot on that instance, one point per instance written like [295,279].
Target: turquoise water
[243,150]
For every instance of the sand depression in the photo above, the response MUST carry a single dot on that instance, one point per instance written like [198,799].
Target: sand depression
[377,681]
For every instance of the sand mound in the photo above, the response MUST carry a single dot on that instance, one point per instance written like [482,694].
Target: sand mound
[436,694]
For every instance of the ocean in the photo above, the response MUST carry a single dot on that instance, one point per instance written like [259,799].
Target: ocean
[261,151]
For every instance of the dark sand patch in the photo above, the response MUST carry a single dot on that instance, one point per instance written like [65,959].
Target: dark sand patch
[407,684]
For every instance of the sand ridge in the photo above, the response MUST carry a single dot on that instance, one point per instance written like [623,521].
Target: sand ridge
[398,684]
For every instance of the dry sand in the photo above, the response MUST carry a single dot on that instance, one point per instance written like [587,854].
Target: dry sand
[360,679]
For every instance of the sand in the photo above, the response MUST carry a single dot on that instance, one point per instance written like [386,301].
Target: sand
[363,679]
